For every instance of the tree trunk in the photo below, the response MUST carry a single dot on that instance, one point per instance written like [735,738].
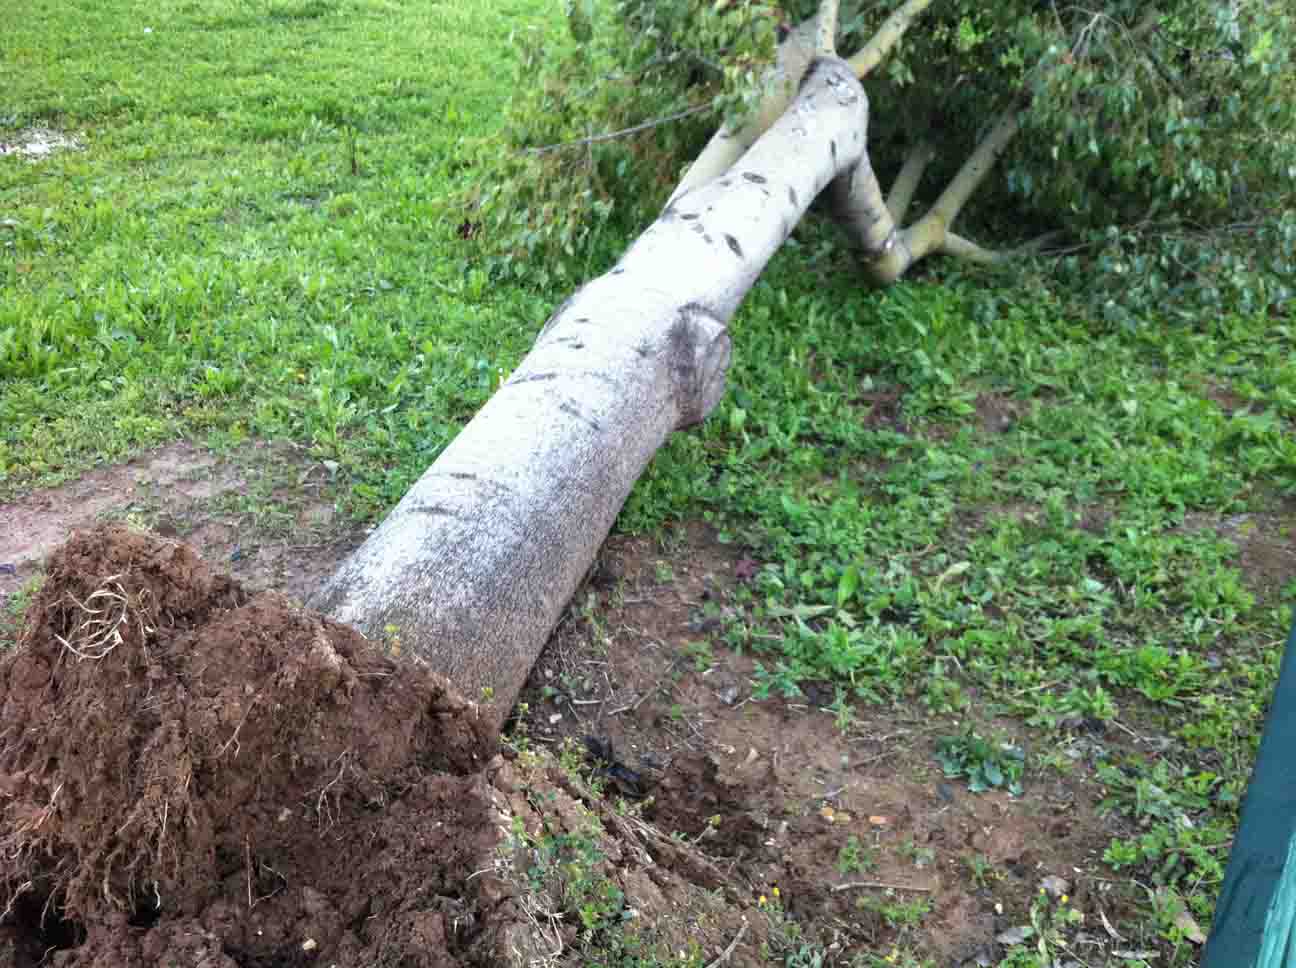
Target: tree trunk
[473,568]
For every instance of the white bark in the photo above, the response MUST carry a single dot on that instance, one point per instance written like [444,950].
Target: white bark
[474,566]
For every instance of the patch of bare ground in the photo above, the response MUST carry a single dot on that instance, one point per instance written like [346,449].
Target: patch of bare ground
[192,774]
[1266,543]
[37,143]
[868,845]
[266,513]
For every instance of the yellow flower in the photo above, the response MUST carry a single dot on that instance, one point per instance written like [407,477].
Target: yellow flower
[762,901]
[776,890]
[1065,898]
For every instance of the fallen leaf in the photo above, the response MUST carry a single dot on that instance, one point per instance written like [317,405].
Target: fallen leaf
[828,813]
[1182,919]
[1191,930]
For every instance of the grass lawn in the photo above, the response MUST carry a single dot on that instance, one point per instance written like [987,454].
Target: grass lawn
[252,240]
[959,497]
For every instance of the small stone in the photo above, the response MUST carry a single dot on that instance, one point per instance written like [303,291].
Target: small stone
[1013,936]
[1056,886]
[309,945]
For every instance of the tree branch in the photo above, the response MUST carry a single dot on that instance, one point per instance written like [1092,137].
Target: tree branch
[906,183]
[888,35]
[826,32]
[624,132]
[795,54]
[975,169]
[968,250]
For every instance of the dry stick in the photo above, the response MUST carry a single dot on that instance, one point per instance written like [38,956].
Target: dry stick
[624,132]
[906,183]
[883,886]
[826,29]
[728,952]
[975,169]
[888,35]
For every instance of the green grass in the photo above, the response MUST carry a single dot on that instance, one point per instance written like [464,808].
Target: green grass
[961,496]
[258,238]
[1066,565]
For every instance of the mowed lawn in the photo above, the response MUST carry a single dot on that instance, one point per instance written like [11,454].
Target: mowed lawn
[960,497]
[256,236]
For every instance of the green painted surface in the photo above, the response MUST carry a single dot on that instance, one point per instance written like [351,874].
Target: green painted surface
[1255,920]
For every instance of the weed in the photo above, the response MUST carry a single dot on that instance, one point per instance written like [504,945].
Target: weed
[855,857]
[701,653]
[15,608]
[982,870]
[986,763]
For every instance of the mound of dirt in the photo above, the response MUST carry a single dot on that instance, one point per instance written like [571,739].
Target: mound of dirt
[191,775]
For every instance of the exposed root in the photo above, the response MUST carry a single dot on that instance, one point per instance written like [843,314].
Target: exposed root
[108,610]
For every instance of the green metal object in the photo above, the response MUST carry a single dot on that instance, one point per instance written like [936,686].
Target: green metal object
[1255,919]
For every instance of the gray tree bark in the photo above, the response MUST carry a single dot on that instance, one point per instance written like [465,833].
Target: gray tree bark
[473,568]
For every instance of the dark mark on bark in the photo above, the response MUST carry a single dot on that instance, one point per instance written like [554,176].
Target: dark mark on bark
[534,378]
[683,359]
[751,176]
[570,408]
[437,509]
[549,324]
[792,197]
[734,247]
[463,475]
[688,216]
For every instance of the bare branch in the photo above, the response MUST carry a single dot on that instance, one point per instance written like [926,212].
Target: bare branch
[826,31]
[968,250]
[727,145]
[888,35]
[906,183]
[975,169]
[728,952]
[624,132]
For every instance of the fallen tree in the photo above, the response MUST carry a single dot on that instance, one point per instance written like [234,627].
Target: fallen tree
[476,563]
[472,569]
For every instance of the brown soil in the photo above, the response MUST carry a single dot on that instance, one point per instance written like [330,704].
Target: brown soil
[266,513]
[780,795]
[238,782]
[248,780]
[195,775]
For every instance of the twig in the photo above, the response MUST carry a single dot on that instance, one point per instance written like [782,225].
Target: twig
[880,885]
[728,952]
[234,735]
[624,132]
[655,686]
